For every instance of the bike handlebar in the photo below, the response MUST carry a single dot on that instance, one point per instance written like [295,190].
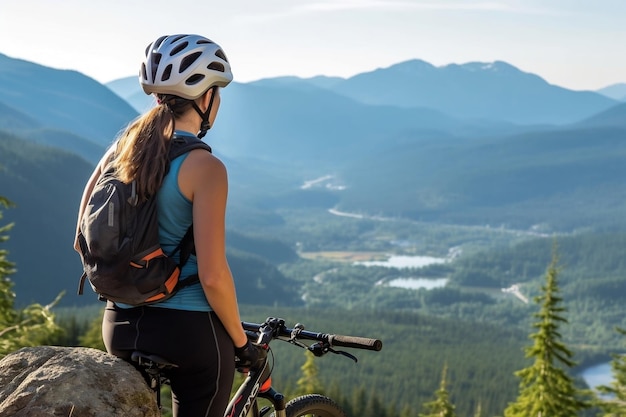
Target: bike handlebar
[355,342]
[279,330]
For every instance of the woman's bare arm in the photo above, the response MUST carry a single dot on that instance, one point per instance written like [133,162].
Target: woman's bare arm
[203,178]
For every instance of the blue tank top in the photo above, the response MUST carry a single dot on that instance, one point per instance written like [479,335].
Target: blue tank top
[175,216]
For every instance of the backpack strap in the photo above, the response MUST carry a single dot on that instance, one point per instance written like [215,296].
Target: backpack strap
[186,247]
[179,145]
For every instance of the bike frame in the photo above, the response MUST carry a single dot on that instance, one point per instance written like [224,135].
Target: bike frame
[258,383]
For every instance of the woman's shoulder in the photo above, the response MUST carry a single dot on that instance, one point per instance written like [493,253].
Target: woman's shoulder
[202,172]
[200,160]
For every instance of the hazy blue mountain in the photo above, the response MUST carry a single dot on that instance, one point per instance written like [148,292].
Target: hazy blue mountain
[129,89]
[493,91]
[294,118]
[64,140]
[319,81]
[12,119]
[471,91]
[614,116]
[324,119]
[614,91]
[63,99]
[26,127]
[124,86]
[566,179]
[315,126]
[45,184]
[141,101]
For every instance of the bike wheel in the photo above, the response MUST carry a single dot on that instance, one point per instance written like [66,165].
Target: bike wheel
[313,405]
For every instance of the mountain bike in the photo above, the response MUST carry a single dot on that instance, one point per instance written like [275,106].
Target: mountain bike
[258,382]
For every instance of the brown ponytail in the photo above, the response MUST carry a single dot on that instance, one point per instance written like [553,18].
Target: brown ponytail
[142,149]
[141,153]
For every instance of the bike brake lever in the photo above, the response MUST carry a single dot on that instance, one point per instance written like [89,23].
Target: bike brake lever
[346,354]
[320,349]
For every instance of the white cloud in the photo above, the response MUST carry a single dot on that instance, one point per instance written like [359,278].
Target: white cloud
[293,9]
[510,6]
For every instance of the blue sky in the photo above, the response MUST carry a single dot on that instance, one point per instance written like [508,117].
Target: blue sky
[577,44]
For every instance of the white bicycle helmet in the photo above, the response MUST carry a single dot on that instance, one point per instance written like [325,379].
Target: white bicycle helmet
[185,66]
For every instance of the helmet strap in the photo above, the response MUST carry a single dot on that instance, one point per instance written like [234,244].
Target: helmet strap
[206,124]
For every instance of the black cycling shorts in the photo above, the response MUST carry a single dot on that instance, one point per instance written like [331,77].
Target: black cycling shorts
[195,341]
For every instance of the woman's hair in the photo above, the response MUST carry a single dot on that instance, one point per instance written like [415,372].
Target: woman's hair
[142,149]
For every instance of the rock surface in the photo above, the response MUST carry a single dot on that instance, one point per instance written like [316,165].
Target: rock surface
[72,382]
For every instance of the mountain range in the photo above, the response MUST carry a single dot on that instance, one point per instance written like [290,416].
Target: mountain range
[478,143]
[494,91]
[614,91]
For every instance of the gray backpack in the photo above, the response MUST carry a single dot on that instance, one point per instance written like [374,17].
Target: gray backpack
[119,241]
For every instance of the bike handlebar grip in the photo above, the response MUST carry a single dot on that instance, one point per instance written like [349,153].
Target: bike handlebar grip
[355,342]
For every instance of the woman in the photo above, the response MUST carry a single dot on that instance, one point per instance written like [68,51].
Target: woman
[199,328]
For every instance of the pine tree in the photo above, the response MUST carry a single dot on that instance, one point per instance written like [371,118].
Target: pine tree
[19,328]
[309,383]
[441,405]
[614,405]
[546,390]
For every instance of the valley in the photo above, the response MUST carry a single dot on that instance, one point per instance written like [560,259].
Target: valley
[429,229]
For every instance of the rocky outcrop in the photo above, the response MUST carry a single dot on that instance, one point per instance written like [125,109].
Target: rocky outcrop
[72,382]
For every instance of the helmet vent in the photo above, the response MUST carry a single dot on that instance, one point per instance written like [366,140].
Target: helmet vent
[219,53]
[156,58]
[179,48]
[203,41]
[157,43]
[194,79]
[188,60]
[177,38]
[166,73]
[216,66]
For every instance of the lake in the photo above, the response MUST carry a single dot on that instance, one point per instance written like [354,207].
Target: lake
[398,261]
[417,283]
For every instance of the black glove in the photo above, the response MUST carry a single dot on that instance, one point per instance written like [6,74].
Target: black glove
[246,356]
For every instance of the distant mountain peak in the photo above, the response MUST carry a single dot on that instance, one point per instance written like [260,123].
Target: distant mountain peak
[418,66]
[411,67]
[614,91]
[495,66]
